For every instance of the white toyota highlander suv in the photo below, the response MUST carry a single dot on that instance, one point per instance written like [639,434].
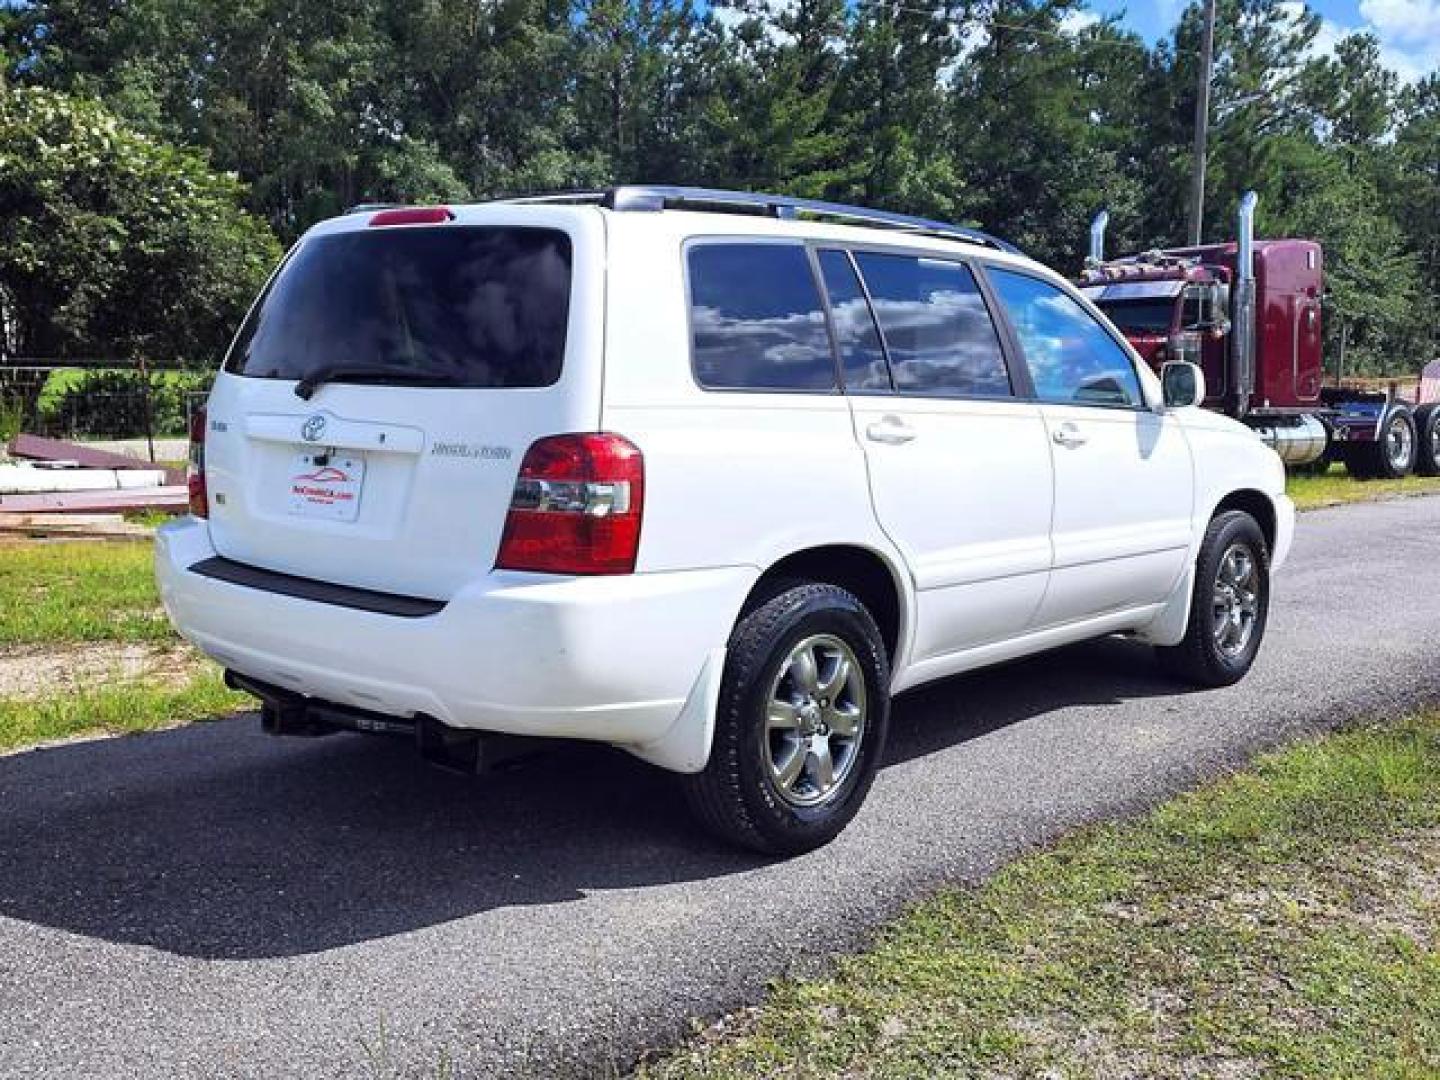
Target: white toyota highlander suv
[704,475]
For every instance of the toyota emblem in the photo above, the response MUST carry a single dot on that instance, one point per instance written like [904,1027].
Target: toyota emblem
[313,428]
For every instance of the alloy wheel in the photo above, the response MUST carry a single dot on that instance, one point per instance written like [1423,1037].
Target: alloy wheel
[1236,600]
[815,720]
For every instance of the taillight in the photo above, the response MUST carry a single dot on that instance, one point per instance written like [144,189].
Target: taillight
[195,472]
[577,507]
[413,215]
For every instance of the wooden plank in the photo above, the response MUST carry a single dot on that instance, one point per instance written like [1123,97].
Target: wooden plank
[15,527]
[20,521]
[174,497]
[38,448]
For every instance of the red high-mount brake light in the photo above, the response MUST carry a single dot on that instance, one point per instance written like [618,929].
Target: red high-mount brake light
[413,215]
[195,471]
[577,507]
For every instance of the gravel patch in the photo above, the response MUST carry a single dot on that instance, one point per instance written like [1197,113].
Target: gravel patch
[37,670]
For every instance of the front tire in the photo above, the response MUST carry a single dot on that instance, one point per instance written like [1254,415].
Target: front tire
[801,722]
[1229,607]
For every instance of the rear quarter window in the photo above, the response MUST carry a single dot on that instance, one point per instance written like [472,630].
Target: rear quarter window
[756,321]
[465,306]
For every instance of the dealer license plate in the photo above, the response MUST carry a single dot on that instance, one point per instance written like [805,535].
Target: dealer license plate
[326,485]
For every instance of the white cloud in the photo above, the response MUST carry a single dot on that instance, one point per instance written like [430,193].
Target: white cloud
[1415,21]
[1078,21]
[1408,32]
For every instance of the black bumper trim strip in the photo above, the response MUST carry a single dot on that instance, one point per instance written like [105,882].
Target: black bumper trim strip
[321,592]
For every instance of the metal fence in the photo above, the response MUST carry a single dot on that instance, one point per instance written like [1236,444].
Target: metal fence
[150,411]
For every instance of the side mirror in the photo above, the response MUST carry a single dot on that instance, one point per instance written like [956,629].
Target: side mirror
[1183,384]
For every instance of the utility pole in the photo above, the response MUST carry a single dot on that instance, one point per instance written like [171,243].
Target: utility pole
[1202,124]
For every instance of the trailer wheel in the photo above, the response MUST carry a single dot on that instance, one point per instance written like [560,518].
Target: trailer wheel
[1392,455]
[1427,432]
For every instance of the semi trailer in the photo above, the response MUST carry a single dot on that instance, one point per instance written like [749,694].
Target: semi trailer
[1249,313]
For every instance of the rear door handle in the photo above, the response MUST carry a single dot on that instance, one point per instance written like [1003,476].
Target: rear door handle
[1067,434]
[890,429]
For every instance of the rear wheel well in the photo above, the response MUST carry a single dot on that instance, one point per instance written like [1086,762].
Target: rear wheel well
[1255,503]
[854,569]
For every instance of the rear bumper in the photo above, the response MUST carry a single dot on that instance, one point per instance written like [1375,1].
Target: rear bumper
[610,659]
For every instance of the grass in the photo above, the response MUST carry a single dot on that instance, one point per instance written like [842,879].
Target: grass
[151,519]
[79,591]
[1284,922]
[1337,486]
[115,709]
[84,592]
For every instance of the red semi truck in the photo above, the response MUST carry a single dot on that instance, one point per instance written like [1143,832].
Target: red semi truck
[1249,313]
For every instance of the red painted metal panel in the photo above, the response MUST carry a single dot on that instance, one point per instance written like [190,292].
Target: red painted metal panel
[1289,275]
[41,449]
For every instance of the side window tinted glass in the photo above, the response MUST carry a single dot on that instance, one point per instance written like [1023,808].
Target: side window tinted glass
[937,330]
[1072,359]
[756,318]
[862,358]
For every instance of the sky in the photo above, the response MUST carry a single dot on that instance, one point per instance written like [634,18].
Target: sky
[1409,30]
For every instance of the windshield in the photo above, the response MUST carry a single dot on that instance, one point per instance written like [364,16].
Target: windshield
[476,307]
[1145,316]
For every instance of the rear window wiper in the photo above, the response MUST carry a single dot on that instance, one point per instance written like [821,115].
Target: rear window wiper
[400,373]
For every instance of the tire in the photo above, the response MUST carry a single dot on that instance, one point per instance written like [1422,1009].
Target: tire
[1427,440]
[743,795]
[1210,655]
[1392,455]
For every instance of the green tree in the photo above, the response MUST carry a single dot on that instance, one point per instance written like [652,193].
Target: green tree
[116,244]
[891,98]
[297,99]
[639,81]
[763,114]
[1042,127]
[1413,190]
[492,86]
[1022,115]
[1352,93]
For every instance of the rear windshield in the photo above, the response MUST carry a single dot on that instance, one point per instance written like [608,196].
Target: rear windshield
[476,307]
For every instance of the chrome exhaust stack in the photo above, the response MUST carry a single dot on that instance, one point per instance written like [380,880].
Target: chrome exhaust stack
[1098,226]
[1242,341]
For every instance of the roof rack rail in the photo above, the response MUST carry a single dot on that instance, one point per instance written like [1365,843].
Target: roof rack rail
[661,197]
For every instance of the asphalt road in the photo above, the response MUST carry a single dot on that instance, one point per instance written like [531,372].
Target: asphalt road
[209,902]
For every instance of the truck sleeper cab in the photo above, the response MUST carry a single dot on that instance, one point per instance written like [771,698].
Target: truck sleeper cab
[1250,314]
[704,475]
